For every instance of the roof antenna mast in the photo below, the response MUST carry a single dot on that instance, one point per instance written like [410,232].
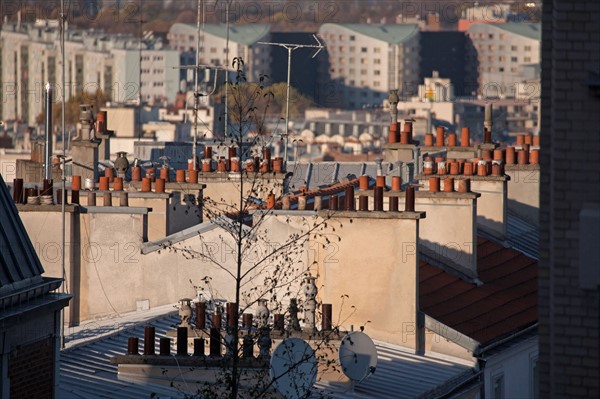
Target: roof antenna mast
[291,47]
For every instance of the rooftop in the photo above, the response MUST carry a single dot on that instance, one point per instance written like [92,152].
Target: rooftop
[506,301]
[526,29]
[243,34]
[86,371]
[390,33]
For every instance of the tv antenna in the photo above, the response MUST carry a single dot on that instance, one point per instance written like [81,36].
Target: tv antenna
[293,368]
[291,47]
[358,356]
[196,67]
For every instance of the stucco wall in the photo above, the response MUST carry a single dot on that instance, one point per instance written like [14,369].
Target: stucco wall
[524,191]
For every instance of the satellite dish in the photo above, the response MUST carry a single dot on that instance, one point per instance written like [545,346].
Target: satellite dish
[293,368]
[358,356]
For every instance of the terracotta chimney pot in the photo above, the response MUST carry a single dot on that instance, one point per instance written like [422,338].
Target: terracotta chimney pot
[439,136]
[193,176]
[464,185]
[452,140]
[449,184]
[434,184]
[180,176]
[465,137]
[363,182]
[428,140]
[146,184]
[396,183]
[159,186]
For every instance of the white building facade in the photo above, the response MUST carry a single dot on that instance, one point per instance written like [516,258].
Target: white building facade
[501,55]
[365,61]
[216,51]
[94,60]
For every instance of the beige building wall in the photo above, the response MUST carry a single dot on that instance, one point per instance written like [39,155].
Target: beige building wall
[491,206]
[524,191]
[386,299]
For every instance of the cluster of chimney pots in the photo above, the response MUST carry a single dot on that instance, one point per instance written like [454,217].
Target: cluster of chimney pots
[491,162]
[253,330]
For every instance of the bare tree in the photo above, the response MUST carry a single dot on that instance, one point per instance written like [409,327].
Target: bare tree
[263,271]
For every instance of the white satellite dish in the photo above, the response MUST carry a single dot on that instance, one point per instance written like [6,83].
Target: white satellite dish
[293,368]
[358,356]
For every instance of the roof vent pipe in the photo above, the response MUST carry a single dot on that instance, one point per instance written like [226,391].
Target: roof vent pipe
[48,133]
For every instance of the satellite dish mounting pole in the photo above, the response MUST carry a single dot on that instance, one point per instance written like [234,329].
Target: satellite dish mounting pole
[291,47]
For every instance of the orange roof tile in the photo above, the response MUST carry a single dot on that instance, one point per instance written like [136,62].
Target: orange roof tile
[504,303]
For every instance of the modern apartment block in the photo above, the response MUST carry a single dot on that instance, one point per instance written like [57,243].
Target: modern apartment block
[243,42]
[31,57]
[500,55]
[365,61]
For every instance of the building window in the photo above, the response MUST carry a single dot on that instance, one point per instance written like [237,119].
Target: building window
[341,48]
[501,58]
[352,60]
[491,47]
[377,50]
[352,49]
[376,84]
[377,72]
[342,37]
[352,71]
[527,59]
[501,69]
[498,386]
[502,37]
[363,71]
[377,61]
[364,61]
[513,69]
[501,47]
[490,36]
[514,59]
[363,49]
[213,50]
[352,38]
[527,48]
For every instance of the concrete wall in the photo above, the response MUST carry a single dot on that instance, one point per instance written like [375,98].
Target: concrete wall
[44,230]
[386,299]
[448,234]
[491,206]
[524,191]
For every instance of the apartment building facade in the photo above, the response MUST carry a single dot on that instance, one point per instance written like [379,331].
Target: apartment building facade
[215,49]
[31,57]
[365,61]
[500,56]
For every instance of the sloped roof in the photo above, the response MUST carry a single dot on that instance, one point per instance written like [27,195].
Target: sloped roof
[86,370]
[243,34]
[529,30]
[525,29]
[506,301]
[19,264]
[389,33]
